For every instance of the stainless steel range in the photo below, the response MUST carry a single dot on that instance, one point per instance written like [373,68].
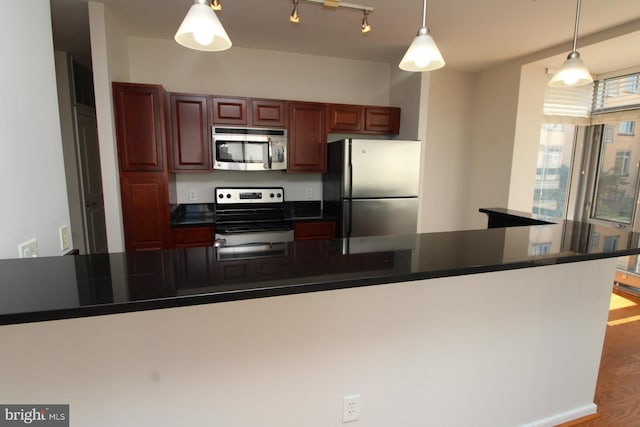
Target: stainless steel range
[250,222]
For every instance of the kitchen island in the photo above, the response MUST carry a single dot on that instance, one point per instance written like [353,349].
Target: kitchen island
[496,327]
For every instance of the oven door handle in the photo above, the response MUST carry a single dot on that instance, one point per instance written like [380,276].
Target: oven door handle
[269,153]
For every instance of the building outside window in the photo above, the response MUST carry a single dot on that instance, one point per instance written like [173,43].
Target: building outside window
[621,167]
[632,84]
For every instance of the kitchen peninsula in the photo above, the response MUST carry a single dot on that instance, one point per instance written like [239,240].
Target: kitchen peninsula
[495,327]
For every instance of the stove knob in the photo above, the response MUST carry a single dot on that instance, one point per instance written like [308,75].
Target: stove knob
[279,195]
[228,195]
[220,196]
[271,195]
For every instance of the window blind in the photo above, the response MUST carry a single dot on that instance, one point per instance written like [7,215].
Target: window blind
[617,94]
[568,102]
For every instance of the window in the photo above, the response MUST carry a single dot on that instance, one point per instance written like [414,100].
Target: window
[553,169]
[553,127]
[608,134]
[540,248]
[610,243]
[611,88]
[627,128]
[621,166]
[632,84]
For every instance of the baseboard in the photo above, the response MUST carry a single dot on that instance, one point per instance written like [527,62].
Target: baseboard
[565,418]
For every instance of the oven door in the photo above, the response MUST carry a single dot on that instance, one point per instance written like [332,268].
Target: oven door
[251,244]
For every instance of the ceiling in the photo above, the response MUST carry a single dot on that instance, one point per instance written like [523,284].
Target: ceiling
[472,34]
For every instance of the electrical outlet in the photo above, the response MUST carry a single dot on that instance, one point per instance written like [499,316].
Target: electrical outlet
[193,195]
[28,249]
[309,193]
[350,408]
[65,240]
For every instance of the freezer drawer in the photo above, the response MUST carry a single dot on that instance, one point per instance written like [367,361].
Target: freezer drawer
[372,217]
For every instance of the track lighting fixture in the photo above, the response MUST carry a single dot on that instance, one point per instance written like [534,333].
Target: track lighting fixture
[365,27]
[423,53]
[216,5]
[201,29]
[335,4]
[295,15]
[573,72]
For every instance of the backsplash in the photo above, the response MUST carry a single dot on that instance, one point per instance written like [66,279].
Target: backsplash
[199,187]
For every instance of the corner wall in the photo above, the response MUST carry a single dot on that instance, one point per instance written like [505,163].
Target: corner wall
[110,63]
[32,181]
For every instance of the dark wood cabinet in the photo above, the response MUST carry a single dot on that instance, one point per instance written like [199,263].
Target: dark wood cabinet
[307,135]
[145,210]
[190,146]
[140,126]
[363,119]
[267,113]
[314,230]
[229,111]
[345,118]
[384,120]
[191,237]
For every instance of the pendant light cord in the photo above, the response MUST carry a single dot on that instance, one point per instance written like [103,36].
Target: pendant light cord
[424,14]
[575,32]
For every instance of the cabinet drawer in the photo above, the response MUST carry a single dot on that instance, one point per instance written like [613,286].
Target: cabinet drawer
[314,230]
[193,237]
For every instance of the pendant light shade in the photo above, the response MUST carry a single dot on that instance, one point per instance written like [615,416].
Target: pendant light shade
[201,29]
[573,72]
[423,53]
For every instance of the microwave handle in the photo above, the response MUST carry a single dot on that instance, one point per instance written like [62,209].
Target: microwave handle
[269,153]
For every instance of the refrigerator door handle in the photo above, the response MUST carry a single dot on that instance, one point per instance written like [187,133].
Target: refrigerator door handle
[349,165]
[269,154]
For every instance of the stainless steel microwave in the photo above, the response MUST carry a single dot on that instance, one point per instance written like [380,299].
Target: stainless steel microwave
[249,149]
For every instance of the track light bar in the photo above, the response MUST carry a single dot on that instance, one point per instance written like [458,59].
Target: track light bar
[338,3]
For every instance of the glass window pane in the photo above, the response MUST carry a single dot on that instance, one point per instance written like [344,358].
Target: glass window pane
[617,179]
[553,169]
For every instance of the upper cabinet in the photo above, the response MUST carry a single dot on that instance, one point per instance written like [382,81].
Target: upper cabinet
[190,148]
[345,118]
[139,117]
[307,134]
[385,120]
[229,111]
[268,113]
[248,112]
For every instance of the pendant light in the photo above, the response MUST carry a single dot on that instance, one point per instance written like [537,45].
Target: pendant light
[573,72]
[201,29]
[423,54]
[295,15]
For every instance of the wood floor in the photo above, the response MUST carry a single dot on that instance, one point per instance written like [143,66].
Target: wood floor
[618,389]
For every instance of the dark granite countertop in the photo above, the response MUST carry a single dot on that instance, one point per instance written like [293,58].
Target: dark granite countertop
[203,214]
[86,285]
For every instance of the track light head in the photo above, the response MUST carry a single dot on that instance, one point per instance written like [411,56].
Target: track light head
[295,16]
[365,27]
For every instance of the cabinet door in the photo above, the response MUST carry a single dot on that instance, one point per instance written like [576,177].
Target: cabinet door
[190,142]
[230,111]
[345,118]
[307,137]
[145,210]
[267,112]
[191,237]
[314,230]
[139,117]
[385,120]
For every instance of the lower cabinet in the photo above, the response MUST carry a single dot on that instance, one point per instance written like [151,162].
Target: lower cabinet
[314,230]
[145,210]
[193,237]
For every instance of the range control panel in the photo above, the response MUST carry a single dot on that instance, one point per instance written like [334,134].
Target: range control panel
[249,195]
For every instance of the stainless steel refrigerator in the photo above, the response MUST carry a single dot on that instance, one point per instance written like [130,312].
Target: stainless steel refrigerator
[371,186]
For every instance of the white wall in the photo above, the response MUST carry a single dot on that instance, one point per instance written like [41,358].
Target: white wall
[446,150]
[32,181]
[258,73]
[528,355]
[533,81]
[495,102]
[110,63]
